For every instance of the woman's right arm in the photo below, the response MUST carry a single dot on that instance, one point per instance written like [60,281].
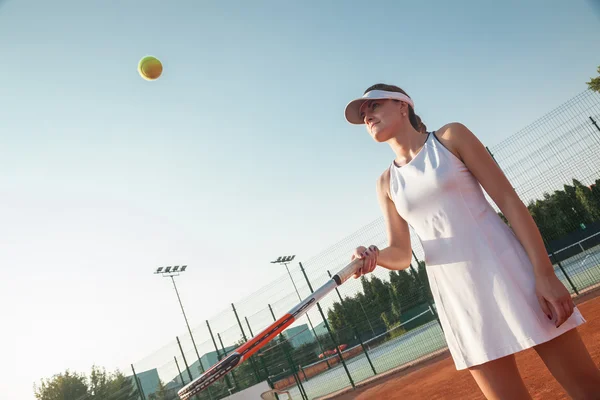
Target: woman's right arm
[398,253]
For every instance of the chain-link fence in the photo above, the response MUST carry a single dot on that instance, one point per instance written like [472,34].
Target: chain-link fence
[554,165]
[372,325]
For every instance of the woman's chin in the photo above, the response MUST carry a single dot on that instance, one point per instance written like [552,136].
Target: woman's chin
[380,137]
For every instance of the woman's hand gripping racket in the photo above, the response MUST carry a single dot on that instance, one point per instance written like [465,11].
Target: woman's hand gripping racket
[246,350]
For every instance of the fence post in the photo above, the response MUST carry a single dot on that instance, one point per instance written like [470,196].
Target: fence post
[256,374]
[179,370]
[308,319]
[235,384]
[187,367]
[303,373]
[595,124]
[561,267]
[545,242]
[337,347]
[291,362]
[137,384]
[227,381]
[262,361]
[354,329]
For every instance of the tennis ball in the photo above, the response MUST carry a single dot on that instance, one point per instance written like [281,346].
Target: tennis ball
[150,68]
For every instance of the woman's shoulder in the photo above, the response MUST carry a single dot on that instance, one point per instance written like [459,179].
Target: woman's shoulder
[452,135]
[383,183]
[451,131]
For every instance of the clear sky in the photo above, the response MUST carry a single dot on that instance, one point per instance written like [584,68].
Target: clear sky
[237,154]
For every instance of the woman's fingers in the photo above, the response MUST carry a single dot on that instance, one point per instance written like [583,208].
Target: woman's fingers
[369,257]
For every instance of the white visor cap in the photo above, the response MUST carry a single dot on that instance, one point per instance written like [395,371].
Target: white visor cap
[353,108]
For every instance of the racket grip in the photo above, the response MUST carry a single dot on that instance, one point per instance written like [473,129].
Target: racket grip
[346,272]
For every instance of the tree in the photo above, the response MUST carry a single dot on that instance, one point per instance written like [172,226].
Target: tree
[276,356]
[63,386]
[340,322]
[122,387]
[367,301]
[98,386]
[382,292]
[590,203]
[243,376]
[564,211]
[105,386]
[423,280]
[307,353]
[595,188]
[354,313]
[594,83]
[161,392]
[554,214]
[401,286]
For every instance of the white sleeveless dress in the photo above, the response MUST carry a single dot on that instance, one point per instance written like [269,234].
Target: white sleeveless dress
[480,275]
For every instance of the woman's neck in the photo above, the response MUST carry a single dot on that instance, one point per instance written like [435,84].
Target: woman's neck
[406,144]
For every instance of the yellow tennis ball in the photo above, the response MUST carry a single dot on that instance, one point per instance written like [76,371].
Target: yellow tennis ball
[150,68]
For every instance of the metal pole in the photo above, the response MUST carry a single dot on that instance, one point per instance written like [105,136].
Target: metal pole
[179,370]
[262,360]
[493,158]
[354,329]
[249,327]
[188,325]
[225,353]
[337,347]
[292,279]
[256,374]
[595,124]
[561,267]
[291,362]
[187,367]
[137,384]
[303,373]
[308,317]
[218,354]
[190,332]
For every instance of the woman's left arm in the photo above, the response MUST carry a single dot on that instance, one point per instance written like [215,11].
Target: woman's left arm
[475,156]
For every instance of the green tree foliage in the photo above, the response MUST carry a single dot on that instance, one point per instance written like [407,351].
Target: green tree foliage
[589,202]
[594,83]
[307,353]
[244,373]
[564,211]
[122,387]
[63,386]
[379,307]
[161,392]
[100,385]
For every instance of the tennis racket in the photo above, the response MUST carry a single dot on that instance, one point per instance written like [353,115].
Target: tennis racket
[246,350]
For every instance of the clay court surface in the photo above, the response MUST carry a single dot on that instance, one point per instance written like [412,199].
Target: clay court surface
[440,380]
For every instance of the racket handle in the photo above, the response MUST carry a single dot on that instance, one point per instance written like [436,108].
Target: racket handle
[346,272]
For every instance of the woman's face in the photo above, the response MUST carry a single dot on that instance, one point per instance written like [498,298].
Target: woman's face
[383,118]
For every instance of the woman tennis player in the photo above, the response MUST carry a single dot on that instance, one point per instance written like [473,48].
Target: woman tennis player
[494,287]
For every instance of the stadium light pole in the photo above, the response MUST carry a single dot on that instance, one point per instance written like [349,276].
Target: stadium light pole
[172,272]
[285,260]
